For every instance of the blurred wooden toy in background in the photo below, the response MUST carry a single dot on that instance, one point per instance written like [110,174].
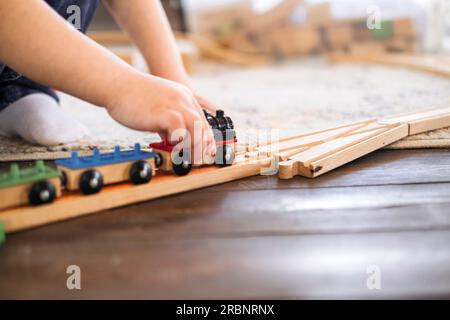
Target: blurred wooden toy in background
[280,33]
[236,33]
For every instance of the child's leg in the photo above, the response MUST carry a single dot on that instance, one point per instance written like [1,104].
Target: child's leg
[30,110]
[37,118]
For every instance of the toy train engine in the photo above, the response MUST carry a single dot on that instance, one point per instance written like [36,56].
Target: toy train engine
[37,185]
[224,135]
[90,173]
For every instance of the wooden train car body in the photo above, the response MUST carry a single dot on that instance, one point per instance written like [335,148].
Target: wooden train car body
[181,163]
[37,185]
[88,174]
[180,166]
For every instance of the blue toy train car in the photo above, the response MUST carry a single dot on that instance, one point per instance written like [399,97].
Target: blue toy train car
[89,174]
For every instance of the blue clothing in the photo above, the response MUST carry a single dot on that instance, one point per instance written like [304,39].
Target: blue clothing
[13,86]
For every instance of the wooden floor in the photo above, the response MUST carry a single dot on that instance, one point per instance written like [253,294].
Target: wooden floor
[257,238]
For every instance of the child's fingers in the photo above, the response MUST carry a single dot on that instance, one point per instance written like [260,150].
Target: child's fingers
[181,126]
[195,122]
[195,125]
[172,126]
[204,137]
[206,104]
[208,137]
[188,101]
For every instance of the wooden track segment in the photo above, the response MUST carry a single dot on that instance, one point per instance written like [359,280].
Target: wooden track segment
[335,145]
[435,64]
[423,121]
[358,150]
[270,147]
[320,159]
[74,205]
[211,49]
[313,161]
[310,139]
[369,128]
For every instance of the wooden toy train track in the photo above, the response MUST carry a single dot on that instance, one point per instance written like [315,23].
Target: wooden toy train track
[434,64]
[34,197]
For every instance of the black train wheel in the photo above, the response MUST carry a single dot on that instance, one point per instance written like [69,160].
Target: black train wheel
[185,166]
[141,172]
[42,193]
[159,160]
[91,182]
[225,155]
[63,179]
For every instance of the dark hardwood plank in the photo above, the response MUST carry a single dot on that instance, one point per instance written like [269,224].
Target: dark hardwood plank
[263,212]
[331,266]
[256,238]
[384,167]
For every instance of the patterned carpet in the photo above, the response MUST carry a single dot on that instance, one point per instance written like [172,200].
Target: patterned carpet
[292,98]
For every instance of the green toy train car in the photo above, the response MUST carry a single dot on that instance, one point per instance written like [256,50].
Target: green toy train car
[37,185]
[2,233]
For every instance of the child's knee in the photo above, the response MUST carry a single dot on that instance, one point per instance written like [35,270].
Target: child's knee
[13,90]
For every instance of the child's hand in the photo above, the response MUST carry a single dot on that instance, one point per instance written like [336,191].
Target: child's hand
[149,103]
[206,104]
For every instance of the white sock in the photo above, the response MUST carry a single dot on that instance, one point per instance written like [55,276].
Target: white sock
[37,118]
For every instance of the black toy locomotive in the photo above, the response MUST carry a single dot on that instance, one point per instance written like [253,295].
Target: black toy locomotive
[224,135]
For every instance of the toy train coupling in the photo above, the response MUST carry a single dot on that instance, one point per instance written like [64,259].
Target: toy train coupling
[224,135]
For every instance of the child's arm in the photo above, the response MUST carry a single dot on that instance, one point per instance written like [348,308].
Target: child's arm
[148,27]
[38,43]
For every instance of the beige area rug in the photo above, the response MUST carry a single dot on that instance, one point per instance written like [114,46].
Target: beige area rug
[293,97]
